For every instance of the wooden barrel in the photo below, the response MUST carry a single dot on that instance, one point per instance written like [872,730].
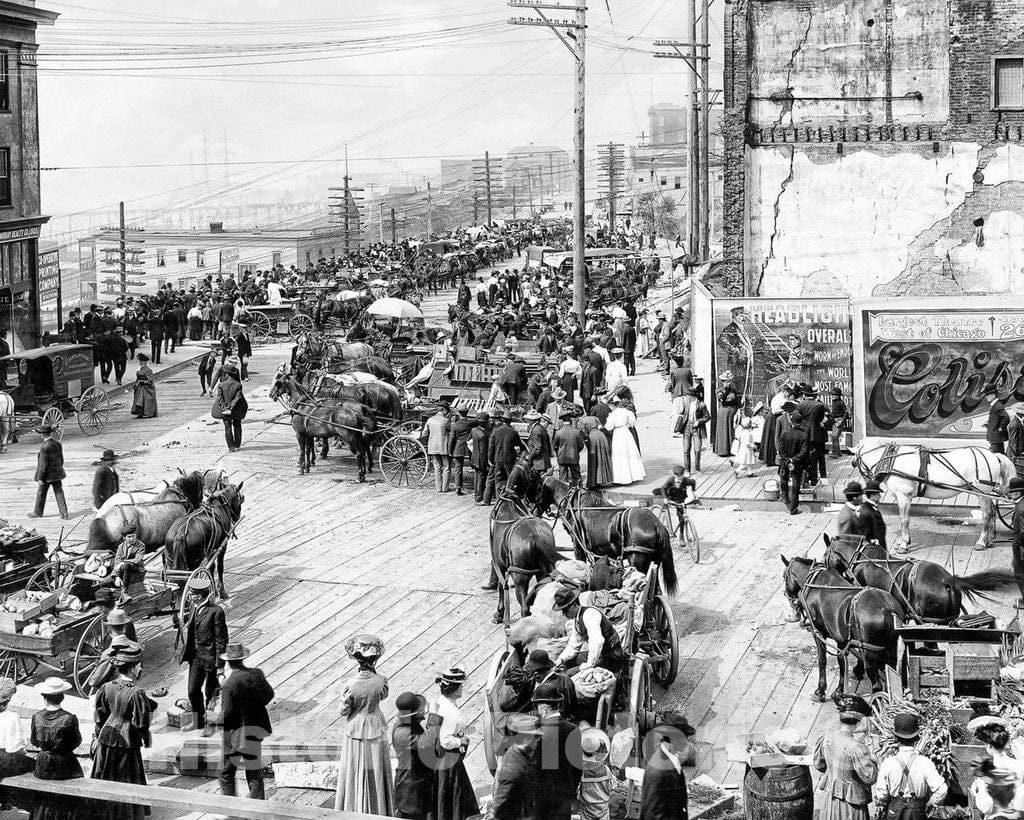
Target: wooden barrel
[778,793]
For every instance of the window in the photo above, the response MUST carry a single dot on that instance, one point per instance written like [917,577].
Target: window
[160,262]
[183,256]
[200,259]
[679,183]
[5,83]
[309,258]
[639,179]
[1008,83]
[664,180]
[5,176]
[276,258]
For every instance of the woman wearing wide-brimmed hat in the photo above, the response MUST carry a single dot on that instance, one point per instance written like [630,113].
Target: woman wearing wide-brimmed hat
[144,391]
[725,424]
[365,781]
[998,791]
[123,712]
[455,797]
[56,734]
[846,763]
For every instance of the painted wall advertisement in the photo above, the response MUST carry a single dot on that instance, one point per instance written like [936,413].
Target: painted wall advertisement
[764,343]
[49,292]
[922,366]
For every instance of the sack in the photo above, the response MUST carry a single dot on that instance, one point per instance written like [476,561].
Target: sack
[217,410]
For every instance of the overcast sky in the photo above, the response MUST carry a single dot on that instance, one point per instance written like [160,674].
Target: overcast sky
[402,82]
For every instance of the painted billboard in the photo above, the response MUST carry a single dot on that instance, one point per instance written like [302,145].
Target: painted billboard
[922,365]
[764,343]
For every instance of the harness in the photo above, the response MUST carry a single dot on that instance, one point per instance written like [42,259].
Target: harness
[987,487]
[848,616]
[504,549]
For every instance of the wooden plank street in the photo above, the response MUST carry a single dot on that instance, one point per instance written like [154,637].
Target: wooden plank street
[320,557]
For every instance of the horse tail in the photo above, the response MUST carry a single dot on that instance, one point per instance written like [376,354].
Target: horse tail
[983,584]
[667,561]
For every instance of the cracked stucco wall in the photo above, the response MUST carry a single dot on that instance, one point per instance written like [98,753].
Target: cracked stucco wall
[886,221]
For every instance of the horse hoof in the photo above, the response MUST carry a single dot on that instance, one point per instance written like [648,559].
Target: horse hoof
[818,697]
[496,618]
[980,547]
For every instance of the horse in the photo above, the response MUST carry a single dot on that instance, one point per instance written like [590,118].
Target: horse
[6,419]
[861,620]
[152,519]
[374,365]
[202,535]
[349,351]
[927,591]
[384,399]
[134,496]
[913,470]
[314,418]
[522,546]
[599,528]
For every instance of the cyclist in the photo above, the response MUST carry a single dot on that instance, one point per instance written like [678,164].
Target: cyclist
[680,492]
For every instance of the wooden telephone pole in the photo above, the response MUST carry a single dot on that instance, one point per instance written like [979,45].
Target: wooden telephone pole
[575,40]
[612,177]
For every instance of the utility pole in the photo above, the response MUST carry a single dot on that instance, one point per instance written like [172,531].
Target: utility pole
[394,228]
[122,258]
[611,165]
[380,225]
[430,213]
[529,185]
[485,174]
[346,212]
[705,155]
[575,40]
[513,201]
[695,55]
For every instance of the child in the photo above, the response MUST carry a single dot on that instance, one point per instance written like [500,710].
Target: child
[596,783]
[746,458]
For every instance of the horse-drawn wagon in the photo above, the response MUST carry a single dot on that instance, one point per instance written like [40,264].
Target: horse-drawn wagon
[47,385]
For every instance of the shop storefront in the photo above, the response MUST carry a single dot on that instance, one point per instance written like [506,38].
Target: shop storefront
[19,304]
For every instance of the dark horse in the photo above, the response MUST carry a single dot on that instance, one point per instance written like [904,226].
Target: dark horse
[927,591]
[861,620]
[597,527]
[384,399]
[201,537]
[314,418]
[522,545]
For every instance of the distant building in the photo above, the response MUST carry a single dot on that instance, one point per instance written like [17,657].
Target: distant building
[872,149]
[22,295]
[184,257]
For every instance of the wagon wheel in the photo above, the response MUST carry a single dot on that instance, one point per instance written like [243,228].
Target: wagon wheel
[89,652]
[403,461]
[490,754]
[409,427]
[17,667]
[641,705]
[1004,509]
[299,324]
[259,326]
[55,418]
[661,641]
[92,411]
[51,577]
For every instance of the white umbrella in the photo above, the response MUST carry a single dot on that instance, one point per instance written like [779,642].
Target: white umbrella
[398,308]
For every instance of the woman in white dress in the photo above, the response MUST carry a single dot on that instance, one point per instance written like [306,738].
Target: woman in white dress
[455,798]
[627,466]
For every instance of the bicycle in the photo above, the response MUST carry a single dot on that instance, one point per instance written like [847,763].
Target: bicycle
[690,539]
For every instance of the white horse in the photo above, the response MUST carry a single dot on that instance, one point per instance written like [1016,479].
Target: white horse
[947,473]
[134,497]
[6,420]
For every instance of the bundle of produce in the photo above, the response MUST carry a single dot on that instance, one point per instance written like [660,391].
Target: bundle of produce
[592,682]
[938,730]
[11,533]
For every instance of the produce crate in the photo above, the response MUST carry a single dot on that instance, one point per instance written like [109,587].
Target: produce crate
[964,757]
[13,621]
[64,639]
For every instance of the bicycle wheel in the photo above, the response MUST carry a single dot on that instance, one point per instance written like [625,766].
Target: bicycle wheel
[692,540]
[665,517]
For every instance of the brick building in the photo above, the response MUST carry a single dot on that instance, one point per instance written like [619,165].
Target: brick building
[21,291]
[874,147]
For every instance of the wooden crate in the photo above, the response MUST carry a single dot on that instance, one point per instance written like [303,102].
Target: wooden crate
[927,672]
[972,661]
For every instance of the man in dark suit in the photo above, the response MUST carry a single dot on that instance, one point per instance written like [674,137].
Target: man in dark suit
[156,335]
[517,781]
[813,413]
[560,756]
[513,380]
[414,776]
[243,698]
[206,639]
[629,347]
[998,421]
[794,454]
[461,431]
[664,795]
[480,438]
[50,473]
[849,521]
[872,523]
[170,330]
[503,448]
[243,349]
[105,481]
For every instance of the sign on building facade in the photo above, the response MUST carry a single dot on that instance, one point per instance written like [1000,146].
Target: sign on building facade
[48,286]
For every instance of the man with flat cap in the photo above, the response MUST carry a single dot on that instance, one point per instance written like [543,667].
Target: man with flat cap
[206,639]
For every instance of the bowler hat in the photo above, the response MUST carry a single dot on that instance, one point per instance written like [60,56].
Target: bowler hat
[852,707]
[483,415]
[565,598]
[852,489]
[410,703]
[108,455]
[788,406]
[506,417]
[837,391]
[235,652]
[118,617]
[44,430]
[142,357]
[547,693]
[872,486]
[539,659]
[906,726]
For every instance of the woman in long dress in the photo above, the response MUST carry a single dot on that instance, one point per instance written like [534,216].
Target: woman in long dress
[848,770]
[122,728]
[56,734]
[728,403]
[144,402]
[365,783]
[998,791]
[627,466]
[456,799]
[599,453]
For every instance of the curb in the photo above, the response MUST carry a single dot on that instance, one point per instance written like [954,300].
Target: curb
[171,370]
